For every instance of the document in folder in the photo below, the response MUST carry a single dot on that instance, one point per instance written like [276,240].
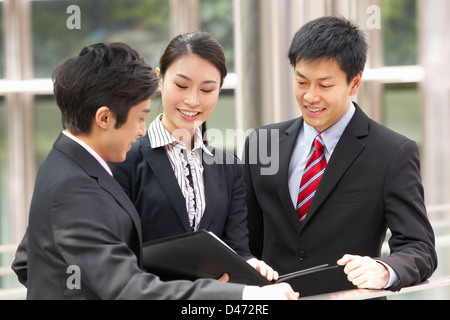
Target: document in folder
[202,254]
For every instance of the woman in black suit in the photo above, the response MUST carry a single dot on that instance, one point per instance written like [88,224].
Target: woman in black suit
[177,183]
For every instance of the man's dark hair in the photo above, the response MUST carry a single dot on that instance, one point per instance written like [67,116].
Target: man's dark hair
[111,75]
[331,38]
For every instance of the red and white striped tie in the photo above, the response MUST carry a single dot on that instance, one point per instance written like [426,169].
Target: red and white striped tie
[311,177]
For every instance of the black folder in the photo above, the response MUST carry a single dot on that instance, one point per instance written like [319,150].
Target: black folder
[202,254]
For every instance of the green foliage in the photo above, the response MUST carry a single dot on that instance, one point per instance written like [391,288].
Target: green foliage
[100,20]
[217,19]
[400,32]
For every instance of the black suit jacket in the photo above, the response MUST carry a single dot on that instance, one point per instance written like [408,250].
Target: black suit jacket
[372,182]
[81,217]
[147,178]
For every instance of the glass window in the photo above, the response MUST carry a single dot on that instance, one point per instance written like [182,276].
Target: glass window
[47,123]
[4,154]
[400,32]
[216,17]
[5,234]
[46,126]
[402,111]
[2,51]
[143,24]
[221,123]
[155,110]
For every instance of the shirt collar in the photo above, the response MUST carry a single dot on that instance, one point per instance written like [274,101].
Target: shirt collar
[332,135]
[160,137]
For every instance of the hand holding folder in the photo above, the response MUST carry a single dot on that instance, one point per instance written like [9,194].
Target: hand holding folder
[201,254]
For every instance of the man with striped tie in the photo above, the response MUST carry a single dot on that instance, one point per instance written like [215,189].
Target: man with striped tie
[343,179]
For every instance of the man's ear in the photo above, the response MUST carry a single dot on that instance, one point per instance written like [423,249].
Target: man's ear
[103,117]
[356,83]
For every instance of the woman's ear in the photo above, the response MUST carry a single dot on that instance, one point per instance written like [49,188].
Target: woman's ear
[160,82]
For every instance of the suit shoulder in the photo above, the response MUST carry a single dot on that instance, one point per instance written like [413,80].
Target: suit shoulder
[59,164]
[225,157]
[134,155]
[289,126]
[279,125]
[387,135]
[57,172]
[141,143]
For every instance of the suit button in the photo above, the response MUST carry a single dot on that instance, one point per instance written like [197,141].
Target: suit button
[301,255]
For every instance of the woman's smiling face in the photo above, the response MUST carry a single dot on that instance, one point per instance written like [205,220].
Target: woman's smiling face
[189,90]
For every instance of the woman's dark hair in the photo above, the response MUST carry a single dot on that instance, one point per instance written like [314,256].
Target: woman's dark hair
[331,38]
[201,44]
[111,75]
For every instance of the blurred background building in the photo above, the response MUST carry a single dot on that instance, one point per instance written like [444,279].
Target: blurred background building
[406,82]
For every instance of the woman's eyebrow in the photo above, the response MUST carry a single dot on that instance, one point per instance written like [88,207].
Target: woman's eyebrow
[189,79]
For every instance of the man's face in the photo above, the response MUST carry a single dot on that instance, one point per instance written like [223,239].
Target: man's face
[323,92]
[117,142]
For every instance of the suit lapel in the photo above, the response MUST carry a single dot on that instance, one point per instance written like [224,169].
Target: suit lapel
[287,141]
[211,180]
[163,172]
[108,183]
[346,152]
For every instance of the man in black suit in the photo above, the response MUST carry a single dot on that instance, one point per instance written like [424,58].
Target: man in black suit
[84,235]
[371,180]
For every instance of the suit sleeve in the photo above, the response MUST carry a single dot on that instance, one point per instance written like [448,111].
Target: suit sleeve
[89,234]
[20,263]
[413,256]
